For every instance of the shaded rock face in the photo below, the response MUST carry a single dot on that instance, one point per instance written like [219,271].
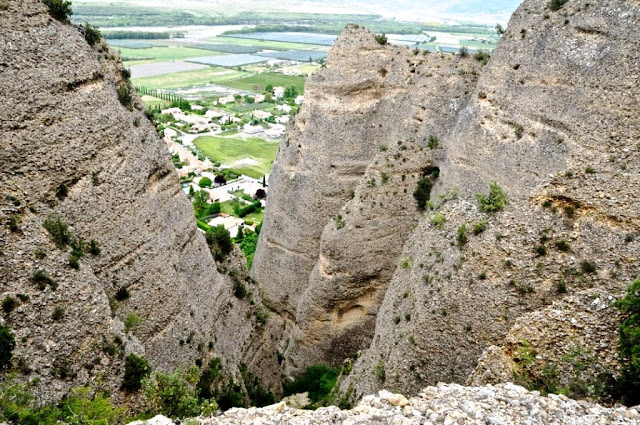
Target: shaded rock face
[70,149]
[551,119]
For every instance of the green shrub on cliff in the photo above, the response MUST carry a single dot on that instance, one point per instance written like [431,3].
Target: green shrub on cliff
[496,200]
[59,9]
[629,348]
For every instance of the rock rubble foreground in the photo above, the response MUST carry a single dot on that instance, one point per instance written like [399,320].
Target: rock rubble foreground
[502,404]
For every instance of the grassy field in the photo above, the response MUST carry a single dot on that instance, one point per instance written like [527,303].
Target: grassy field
[151,102]
[227,150]
[163,54]
[187,79]
[477,44]
[256,83]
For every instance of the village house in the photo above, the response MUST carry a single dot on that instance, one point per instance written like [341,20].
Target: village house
[284,108]
[232,224]
[226,99]
[278,92]
[253,129]
[171,111]
[258,114]
[258,98]
[299,100]
[197,108]
[213,114]
[275,130]
[205,127]
[283,119]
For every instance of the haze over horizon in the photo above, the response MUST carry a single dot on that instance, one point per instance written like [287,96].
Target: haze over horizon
[451,11]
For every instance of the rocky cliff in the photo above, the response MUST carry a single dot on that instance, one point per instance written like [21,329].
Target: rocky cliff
[79,157]
[348,259]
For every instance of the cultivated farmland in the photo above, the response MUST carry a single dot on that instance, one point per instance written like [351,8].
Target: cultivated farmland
[186,79]
[296,55]
[257,83]
[291,37]
[229,60]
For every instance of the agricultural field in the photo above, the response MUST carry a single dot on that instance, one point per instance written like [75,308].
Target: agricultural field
[229,60]
[302,69]
[228,150]
[226,48]
[160,68]
[265,44]
[187,79]
[296,55]
[151,102]
[290,37]
[162,54]
[133,44]
[257,83]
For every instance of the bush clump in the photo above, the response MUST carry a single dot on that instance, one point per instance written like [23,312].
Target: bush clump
[7,344]
[318,380]
[59,9]
[136,368]
[381,39]
[205,182]
[59,230]
[496,200]
[422,194]
[176,394]
[42,279]
[91,34]
[556,5]
[124,95]
[219,241]
[629,345]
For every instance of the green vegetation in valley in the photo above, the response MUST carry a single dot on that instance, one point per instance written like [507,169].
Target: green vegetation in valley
[318,380]
[188,79]
[227,150]
[257,83]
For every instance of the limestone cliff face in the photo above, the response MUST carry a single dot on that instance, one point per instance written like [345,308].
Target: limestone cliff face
[342,201]
[551,119]
[69,148]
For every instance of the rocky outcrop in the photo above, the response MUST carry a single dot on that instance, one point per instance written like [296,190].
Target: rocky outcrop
[449,404]
[343,182]
[550,120]
[569,346]
[72,148]
[566,162]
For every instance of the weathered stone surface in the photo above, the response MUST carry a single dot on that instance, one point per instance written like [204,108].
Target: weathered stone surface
[61,124]
[551,119]
[443,404]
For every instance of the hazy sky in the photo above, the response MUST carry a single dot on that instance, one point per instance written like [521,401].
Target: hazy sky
[487,11]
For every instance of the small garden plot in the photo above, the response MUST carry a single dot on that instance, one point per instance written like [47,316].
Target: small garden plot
[227,48]
[291,37]
[296,55]
[160,68]
[229,60]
